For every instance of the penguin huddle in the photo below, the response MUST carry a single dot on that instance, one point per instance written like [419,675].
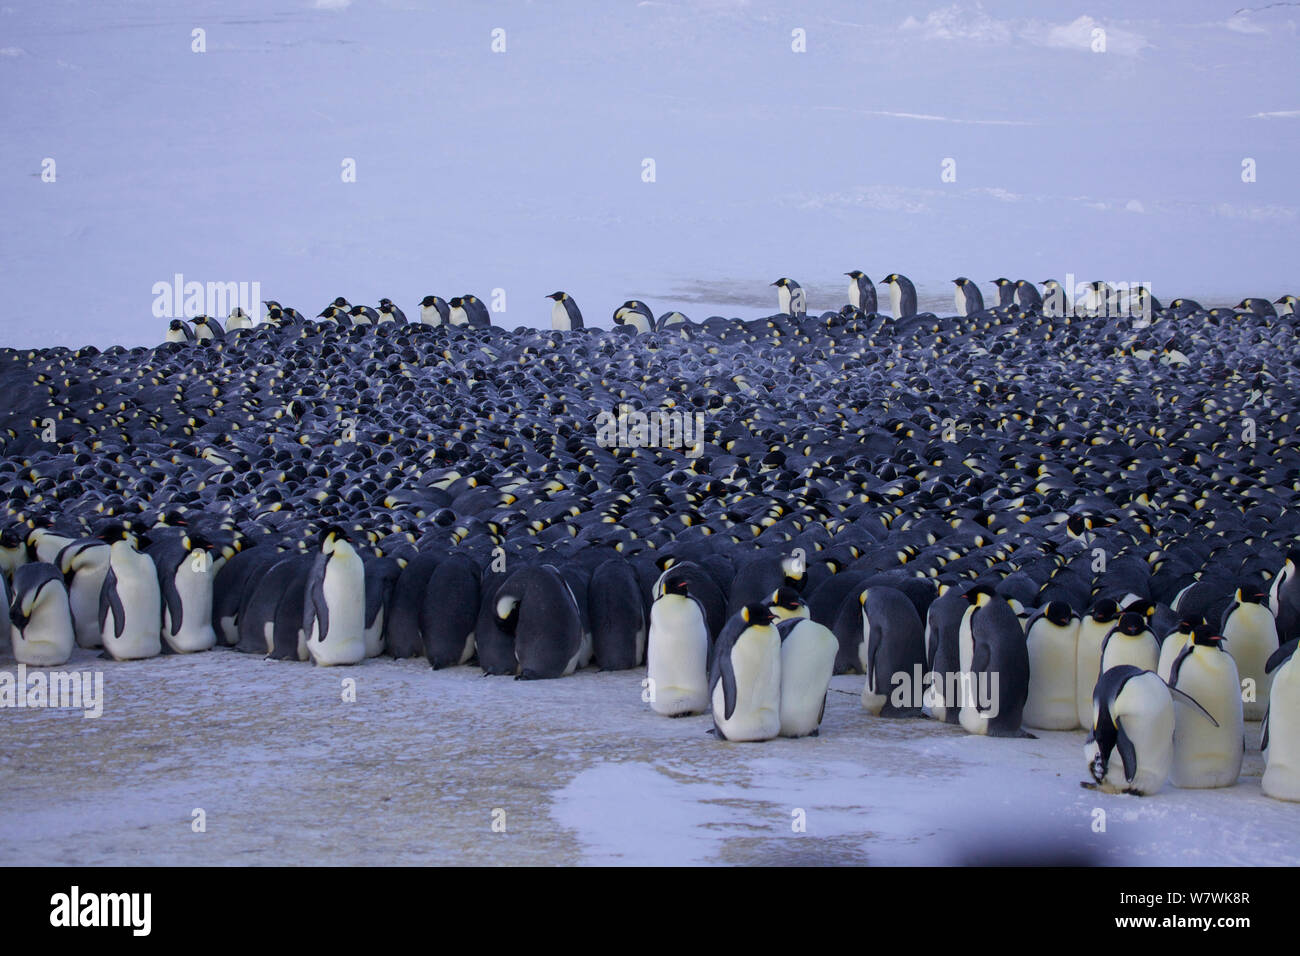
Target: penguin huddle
[978,510]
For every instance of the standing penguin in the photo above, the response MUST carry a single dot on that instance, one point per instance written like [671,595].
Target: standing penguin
[1130,642]
[335,605]
[1250,634]
[893,646]
[130,602]
[943,658]
[677,653]
[178,330]
[1280,735]
[994,667]
[565,315]
[544,618]
[1284,598]
[381,579]
[1132,712]
[967,296]
[808,652]
[238,319]
[1093,629]
[790,297]
[617,616]
[450,609]
[434,311]
[902,295]
[745,680]
[185,575]
[1174,643]
[862,292]
[84,563]
[1207,750]
[1052,636]
[207,328]
[41,620]
[402,637]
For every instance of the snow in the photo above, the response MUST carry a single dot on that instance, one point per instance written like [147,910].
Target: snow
[411,772]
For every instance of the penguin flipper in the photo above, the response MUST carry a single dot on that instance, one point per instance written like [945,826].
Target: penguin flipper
[727,674]
[1263,734]
[316,607]
[821,713]
[1281,655]
[980,659]
[1194,702]
[1127,752]
[172,597]
[109,600]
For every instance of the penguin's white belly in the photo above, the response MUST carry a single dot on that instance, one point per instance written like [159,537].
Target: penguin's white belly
[47,640]
[458,316]
[345,596]
[1053,683]
[1140,651]
[83,600]
[677,659]
[1282,758]
[468,652]
[1169,650]
[807,663]
[1205,755]
[895,299]
[560,317]
[196,633]
[430,315]
[137,588]
[1250,637]
[756,661]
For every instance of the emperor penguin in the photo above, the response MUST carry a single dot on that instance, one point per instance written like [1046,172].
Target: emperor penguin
[1006,292]
[745,679]
[1250,635]
[1284,597]
[994,667]
[862,292]
[388,312]
[1052,635]
[1280,735]
[13,551]
[808,652]
[1132,713]
[178,330]
[790,297]
[1209,739]
[335,605]
[1174,642]
[456,312]
[363,315]
[677,652]
[1286,305]
[618,616]
[130,601]
[967,296]
[332,313]
[542,614]
[1094,627]
[892,649]
[185,575]
[238,319]
[450,609]
[565,315]
[434,311]
[1056,303]
[381,580]
[41,631]
[943,665]
[206,328]
[83,564]
[1130,642]
[1027,296]
[636,314]
[475,311]
[902,295]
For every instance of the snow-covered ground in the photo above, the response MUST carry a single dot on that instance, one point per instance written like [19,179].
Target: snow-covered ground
[413,771]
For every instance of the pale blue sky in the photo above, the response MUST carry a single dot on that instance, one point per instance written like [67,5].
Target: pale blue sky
[522,170]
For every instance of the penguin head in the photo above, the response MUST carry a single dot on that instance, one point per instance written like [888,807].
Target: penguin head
[1105,611]
[557,296]
[757,615]
[979,595]
[1131,624]
[855,274]
[330,537]
[676,584]
[429,301]
[175,325]
[1059,613]
[1250,595]
[1204,636]
[116,531]
[786,603]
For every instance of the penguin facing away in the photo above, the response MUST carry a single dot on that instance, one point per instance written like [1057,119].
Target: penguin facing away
[334,609]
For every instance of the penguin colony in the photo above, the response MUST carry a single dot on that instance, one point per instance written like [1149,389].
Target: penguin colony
[1020,516]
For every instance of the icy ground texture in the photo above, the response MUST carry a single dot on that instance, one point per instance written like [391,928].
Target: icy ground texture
[412,771]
